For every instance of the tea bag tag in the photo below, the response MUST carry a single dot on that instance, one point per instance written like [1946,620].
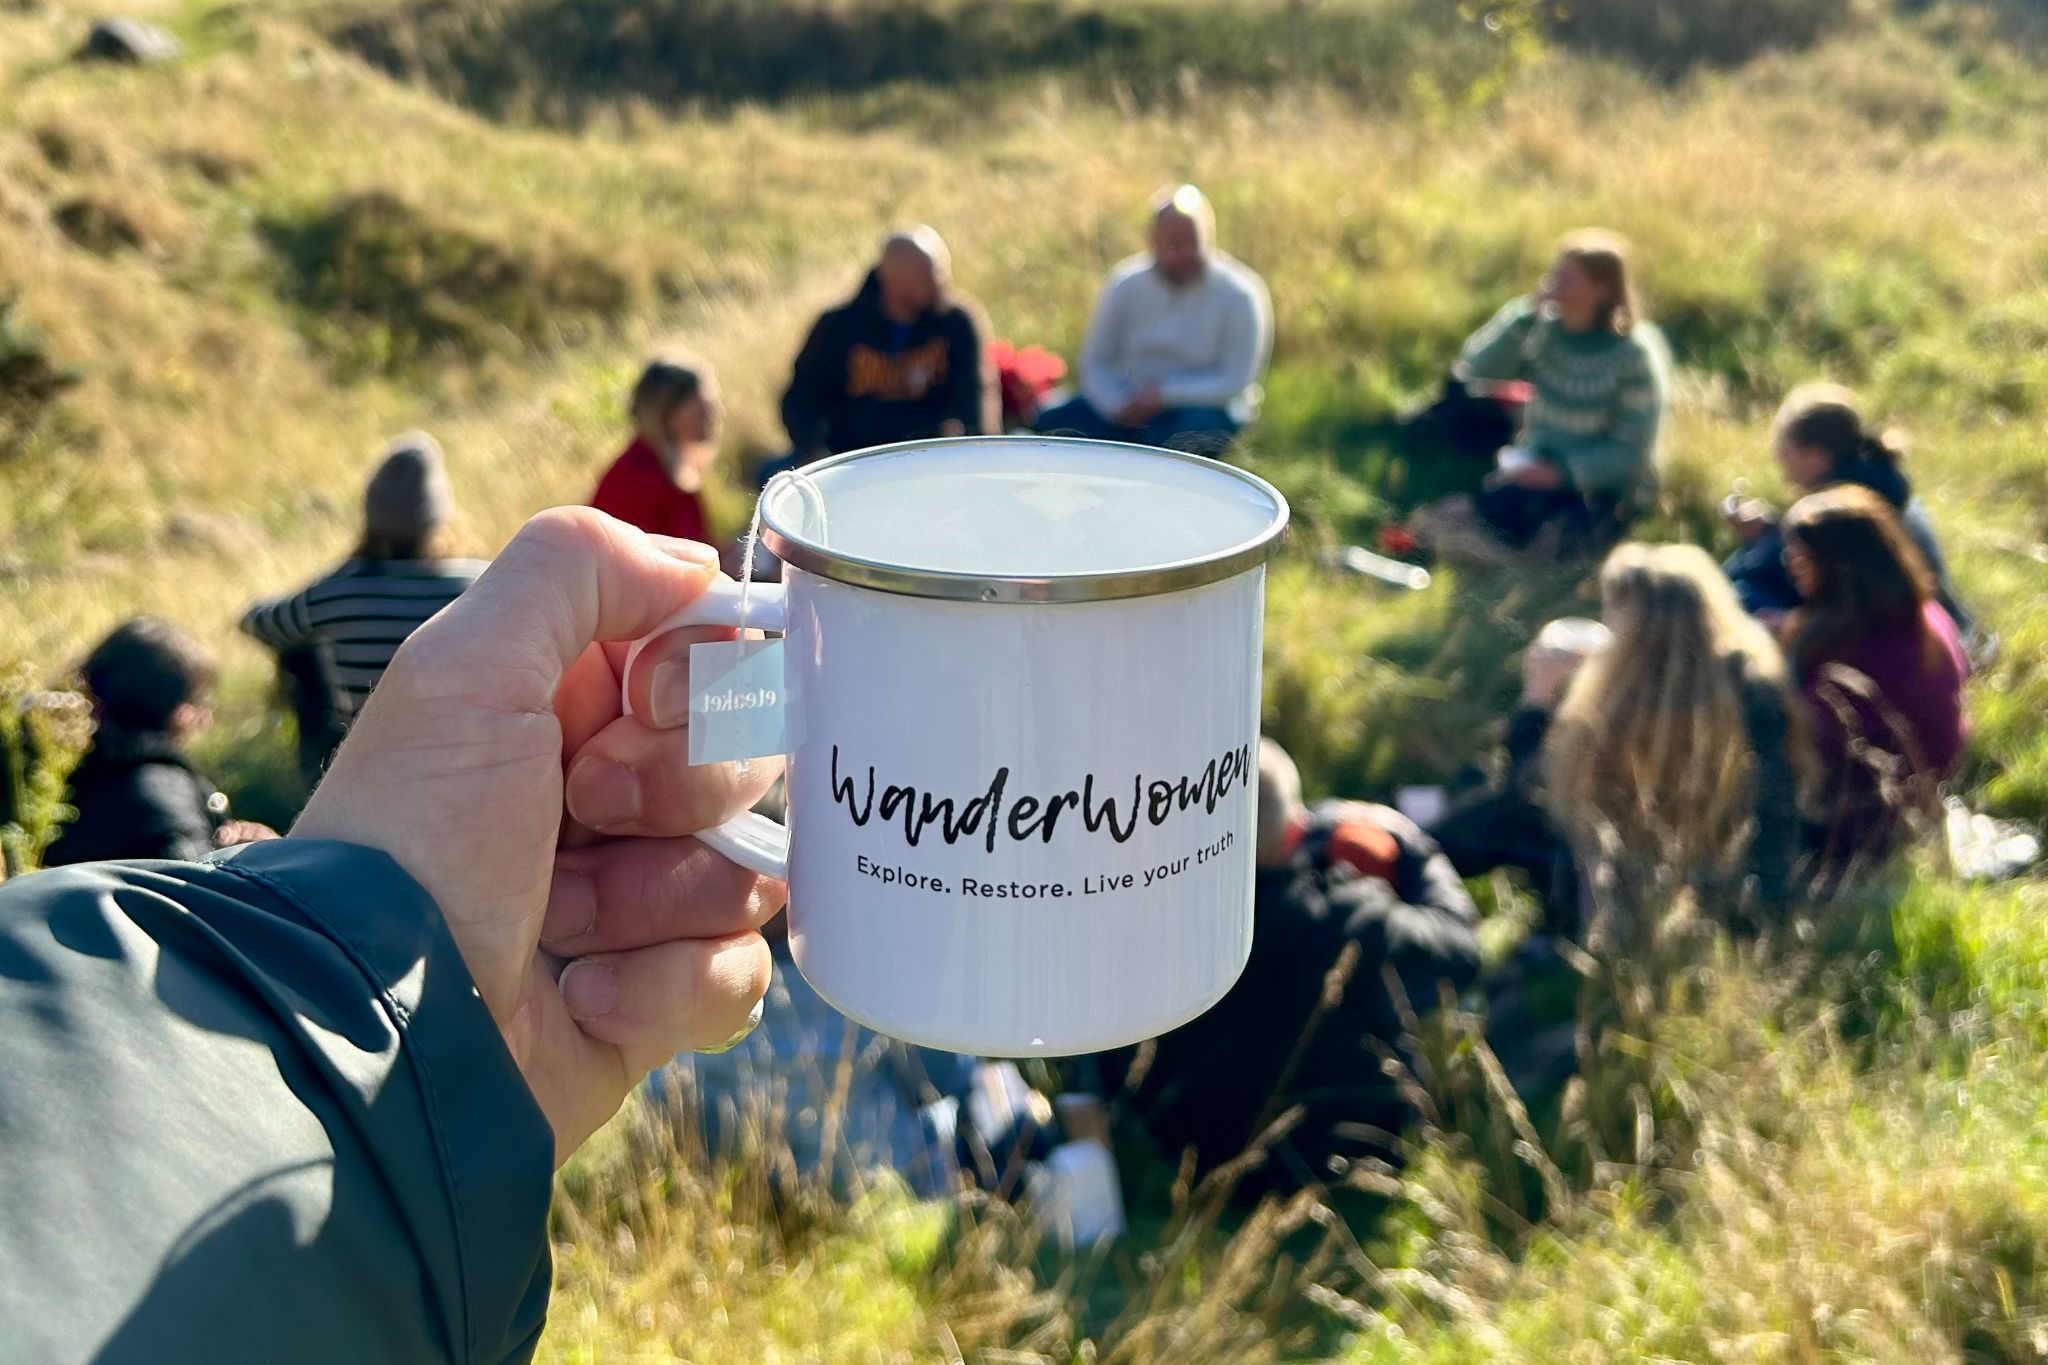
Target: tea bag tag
[739,702]
[739,698]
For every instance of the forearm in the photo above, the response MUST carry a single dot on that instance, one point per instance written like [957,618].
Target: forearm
[1217,388]
[1105,391]
[1495,351]
[1604,466]
[1099,373]
[302,1079]
[281,623]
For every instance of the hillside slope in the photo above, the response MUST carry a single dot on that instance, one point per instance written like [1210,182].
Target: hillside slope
[331,222]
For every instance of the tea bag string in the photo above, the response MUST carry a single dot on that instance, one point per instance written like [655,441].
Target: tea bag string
[814,499]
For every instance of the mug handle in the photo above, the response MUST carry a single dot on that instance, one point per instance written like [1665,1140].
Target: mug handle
[750,839]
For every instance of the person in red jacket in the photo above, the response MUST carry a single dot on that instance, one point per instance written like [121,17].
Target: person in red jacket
[657,484]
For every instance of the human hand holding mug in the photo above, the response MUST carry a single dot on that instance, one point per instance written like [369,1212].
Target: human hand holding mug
[495,765]
[1023,677]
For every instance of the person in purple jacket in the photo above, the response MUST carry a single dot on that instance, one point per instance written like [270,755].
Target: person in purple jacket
[1881,665]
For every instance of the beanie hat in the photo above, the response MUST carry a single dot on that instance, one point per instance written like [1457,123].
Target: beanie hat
[409,496]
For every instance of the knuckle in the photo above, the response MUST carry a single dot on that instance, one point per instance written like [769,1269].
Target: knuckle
[697,798]
[565,527]
[563,533]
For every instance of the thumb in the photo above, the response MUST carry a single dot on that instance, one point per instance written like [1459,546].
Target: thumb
[572,577]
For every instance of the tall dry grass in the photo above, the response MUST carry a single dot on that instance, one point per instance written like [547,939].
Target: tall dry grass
[1762,1162]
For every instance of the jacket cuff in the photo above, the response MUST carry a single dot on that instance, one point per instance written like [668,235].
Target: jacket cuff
[457,1105]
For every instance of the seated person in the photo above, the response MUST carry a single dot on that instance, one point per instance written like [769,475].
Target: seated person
[1468,419]
[136,793]
[1505,824]
[1178,344]
[1820,440]
[1350,876]
[1598,373]
[904,359]
[304,1102]
[1881,666]
[1675,760]
[657,483]
[357,616]
[777,1091]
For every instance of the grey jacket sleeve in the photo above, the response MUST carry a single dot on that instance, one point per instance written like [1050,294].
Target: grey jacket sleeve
[253,1109]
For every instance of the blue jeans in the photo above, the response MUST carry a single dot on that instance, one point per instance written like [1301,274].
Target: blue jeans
[899,1110]
[1205,431]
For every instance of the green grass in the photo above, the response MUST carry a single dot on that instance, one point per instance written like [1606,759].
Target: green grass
[333,222]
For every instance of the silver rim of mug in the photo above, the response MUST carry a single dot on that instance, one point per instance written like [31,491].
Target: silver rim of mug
[1145,581]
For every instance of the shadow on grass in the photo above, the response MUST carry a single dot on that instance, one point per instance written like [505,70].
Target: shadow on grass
[562,60]
[385,286]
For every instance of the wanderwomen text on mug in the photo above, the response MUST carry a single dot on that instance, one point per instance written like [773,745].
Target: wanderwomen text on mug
[998,815]
[1022,684]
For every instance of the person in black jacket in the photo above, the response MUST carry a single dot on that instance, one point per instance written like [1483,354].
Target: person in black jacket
[905,358]
[1349,878]
[303,1101]
[136,793]
[1821,441]
[1504,824]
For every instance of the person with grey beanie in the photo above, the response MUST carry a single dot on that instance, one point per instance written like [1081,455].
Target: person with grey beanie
[335,636]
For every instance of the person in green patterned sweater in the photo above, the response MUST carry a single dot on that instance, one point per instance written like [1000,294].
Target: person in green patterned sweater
[1598,374]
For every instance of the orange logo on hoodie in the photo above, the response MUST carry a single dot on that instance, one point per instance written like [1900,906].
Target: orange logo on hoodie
[895,378]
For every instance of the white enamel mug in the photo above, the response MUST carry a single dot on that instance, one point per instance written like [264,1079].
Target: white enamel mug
[1024,681]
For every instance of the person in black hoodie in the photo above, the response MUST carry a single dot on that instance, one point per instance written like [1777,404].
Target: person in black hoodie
[136,793]
[1346,882]
[1821,441]
[905,358]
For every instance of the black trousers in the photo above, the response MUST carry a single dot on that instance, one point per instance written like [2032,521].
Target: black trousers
[1506,829]
[1517,515]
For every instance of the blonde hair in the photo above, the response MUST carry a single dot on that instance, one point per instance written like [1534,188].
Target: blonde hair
[1651,749]
[669,381]
[1603,255]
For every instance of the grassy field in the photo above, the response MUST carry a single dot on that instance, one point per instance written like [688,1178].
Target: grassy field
[334,221]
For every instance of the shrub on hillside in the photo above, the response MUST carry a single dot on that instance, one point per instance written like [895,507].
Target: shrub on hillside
[106,225]
[30,378]
[41,736]
[388,284]
[556,59]
[1671,37]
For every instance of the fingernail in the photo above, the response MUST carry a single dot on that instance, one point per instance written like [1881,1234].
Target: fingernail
[689,551]
[589,989]
[572,906]
[603,793]
[753,1022]
[668,695]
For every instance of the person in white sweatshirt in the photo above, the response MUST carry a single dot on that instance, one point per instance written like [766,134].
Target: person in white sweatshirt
[1179,341]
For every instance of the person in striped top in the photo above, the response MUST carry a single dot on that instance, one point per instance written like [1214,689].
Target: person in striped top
[335,636]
